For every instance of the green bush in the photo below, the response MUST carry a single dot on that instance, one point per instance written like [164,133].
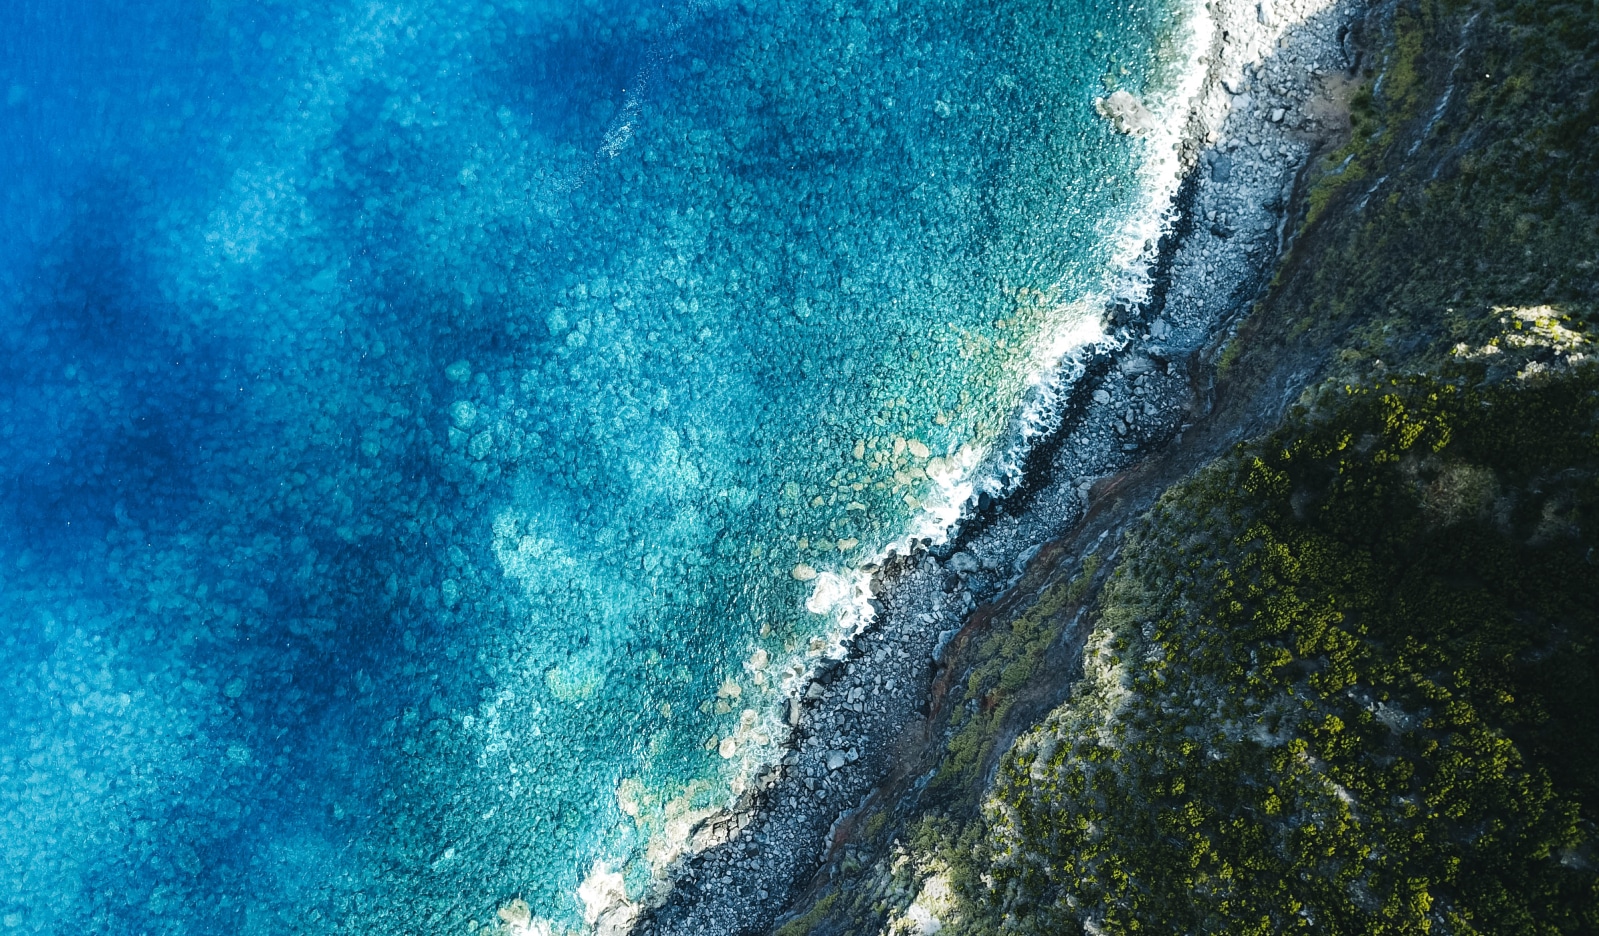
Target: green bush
[1341,683]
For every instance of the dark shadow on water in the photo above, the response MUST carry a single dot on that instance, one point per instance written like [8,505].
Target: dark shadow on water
[112,409]
[120,424]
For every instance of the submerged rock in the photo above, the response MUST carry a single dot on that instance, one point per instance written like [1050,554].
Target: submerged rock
[1126,113]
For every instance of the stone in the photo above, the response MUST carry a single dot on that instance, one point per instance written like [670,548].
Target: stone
[1222,169]
[803,573]
[516,913]
[963,562]
[835,759]
[1126,113]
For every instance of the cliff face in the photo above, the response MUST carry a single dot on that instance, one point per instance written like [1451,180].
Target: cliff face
[1339,678]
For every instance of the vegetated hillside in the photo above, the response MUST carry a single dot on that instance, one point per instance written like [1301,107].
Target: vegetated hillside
[1342,679]
[1468,185]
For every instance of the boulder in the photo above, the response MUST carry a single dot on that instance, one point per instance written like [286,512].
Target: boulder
[1126,113]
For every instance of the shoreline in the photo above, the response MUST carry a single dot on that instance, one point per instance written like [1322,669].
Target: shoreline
[858,722]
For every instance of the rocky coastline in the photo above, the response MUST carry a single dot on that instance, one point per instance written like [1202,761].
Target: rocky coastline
[1278,79]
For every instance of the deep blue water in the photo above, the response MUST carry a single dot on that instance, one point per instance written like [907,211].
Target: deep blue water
[413,415]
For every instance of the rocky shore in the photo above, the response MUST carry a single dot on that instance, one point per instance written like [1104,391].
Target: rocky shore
[1278,78]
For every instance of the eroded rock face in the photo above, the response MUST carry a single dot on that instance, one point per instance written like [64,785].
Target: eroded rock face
[1126,113]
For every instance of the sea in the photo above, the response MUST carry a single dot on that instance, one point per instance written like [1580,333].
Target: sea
[437,436]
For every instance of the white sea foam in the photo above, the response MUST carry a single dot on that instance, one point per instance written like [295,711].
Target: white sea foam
[1078,332]
[1069,338]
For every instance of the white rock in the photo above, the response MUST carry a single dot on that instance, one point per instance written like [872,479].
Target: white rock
[1126,113]
[1136,365]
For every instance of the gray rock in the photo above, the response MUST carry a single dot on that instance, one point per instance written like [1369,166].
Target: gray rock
[963,562]
[1222,169]
[1137,365]
[1126,113]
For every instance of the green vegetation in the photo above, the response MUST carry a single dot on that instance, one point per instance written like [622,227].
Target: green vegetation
[1007,661]
[1373,118]
[1467,186]
[802,925]
[1341,682]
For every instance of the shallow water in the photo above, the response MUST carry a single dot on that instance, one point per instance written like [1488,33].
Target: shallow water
[419,421]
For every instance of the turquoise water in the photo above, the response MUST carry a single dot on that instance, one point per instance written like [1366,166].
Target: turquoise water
[420,423]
